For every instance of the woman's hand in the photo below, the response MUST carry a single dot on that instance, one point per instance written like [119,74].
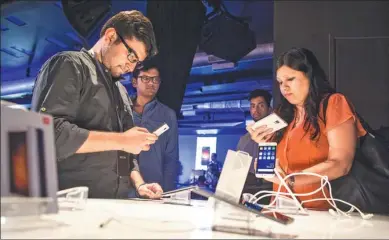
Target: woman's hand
[260,134]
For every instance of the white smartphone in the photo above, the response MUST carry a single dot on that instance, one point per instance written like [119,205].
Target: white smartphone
[271,121]
[266,160]
[161,129]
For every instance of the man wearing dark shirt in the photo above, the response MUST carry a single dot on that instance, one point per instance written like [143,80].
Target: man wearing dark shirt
[259,108]
[160,163]
[94,134]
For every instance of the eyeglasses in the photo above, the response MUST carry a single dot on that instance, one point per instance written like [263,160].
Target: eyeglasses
[132,57]
[147,79]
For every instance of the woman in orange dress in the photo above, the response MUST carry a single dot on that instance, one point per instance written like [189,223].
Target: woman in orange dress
[310,143]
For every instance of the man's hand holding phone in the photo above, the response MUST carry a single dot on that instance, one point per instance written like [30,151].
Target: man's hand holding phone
[137,139]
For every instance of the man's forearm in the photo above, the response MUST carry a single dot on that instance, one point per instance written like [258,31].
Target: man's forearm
[136,179]
[101,141]
[331,168]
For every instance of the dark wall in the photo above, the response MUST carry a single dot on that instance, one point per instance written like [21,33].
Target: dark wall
[351,41]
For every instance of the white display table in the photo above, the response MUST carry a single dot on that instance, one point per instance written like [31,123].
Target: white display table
[154,219]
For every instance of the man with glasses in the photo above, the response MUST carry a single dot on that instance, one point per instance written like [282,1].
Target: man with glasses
[96,141]
[160,163]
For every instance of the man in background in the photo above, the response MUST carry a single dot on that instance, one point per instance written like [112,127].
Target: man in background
[259,108]
[160,163]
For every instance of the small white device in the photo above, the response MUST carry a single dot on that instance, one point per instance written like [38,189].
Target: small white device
[266,160]
[28,158]
[271,121]
[161,129]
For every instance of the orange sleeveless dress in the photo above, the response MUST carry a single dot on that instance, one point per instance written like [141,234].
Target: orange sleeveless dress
[297,152]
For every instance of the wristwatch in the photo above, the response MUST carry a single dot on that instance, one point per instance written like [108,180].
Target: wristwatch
[137,189]
[291,182]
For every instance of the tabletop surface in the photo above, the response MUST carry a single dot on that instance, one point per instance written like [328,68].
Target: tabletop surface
[155,219]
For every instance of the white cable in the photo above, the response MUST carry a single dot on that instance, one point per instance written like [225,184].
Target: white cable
[283,183]
[364,216]
[287,194]
[324,181]
[352,207]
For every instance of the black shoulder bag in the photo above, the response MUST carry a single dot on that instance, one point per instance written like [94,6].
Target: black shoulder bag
[367,184]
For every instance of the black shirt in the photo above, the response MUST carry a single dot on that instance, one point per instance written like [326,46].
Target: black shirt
[70,86]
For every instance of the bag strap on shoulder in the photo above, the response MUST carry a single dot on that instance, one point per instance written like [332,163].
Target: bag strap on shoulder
[365,125]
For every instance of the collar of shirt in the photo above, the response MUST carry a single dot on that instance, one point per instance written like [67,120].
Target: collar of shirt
[91,54]
[148,107]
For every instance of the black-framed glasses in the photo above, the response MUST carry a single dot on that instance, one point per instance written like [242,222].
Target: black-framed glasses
[147,79]
[132,57]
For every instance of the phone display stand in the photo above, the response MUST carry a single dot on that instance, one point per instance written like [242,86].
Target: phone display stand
[20,213]
[288,205]
[73,198]
[225,213]
[230,219]
[181,198]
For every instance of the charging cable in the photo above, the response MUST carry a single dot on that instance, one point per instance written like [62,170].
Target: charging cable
[324,181]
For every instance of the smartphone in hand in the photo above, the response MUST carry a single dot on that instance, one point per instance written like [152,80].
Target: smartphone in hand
[271,121]
[161,129]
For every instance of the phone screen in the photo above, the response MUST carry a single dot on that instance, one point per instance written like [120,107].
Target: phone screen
[19,163]
[205,154]
[266,159]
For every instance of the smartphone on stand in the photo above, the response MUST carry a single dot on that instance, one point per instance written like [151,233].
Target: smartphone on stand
[266,160]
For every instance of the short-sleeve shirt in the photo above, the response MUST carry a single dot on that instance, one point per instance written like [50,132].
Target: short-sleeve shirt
[296,151]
